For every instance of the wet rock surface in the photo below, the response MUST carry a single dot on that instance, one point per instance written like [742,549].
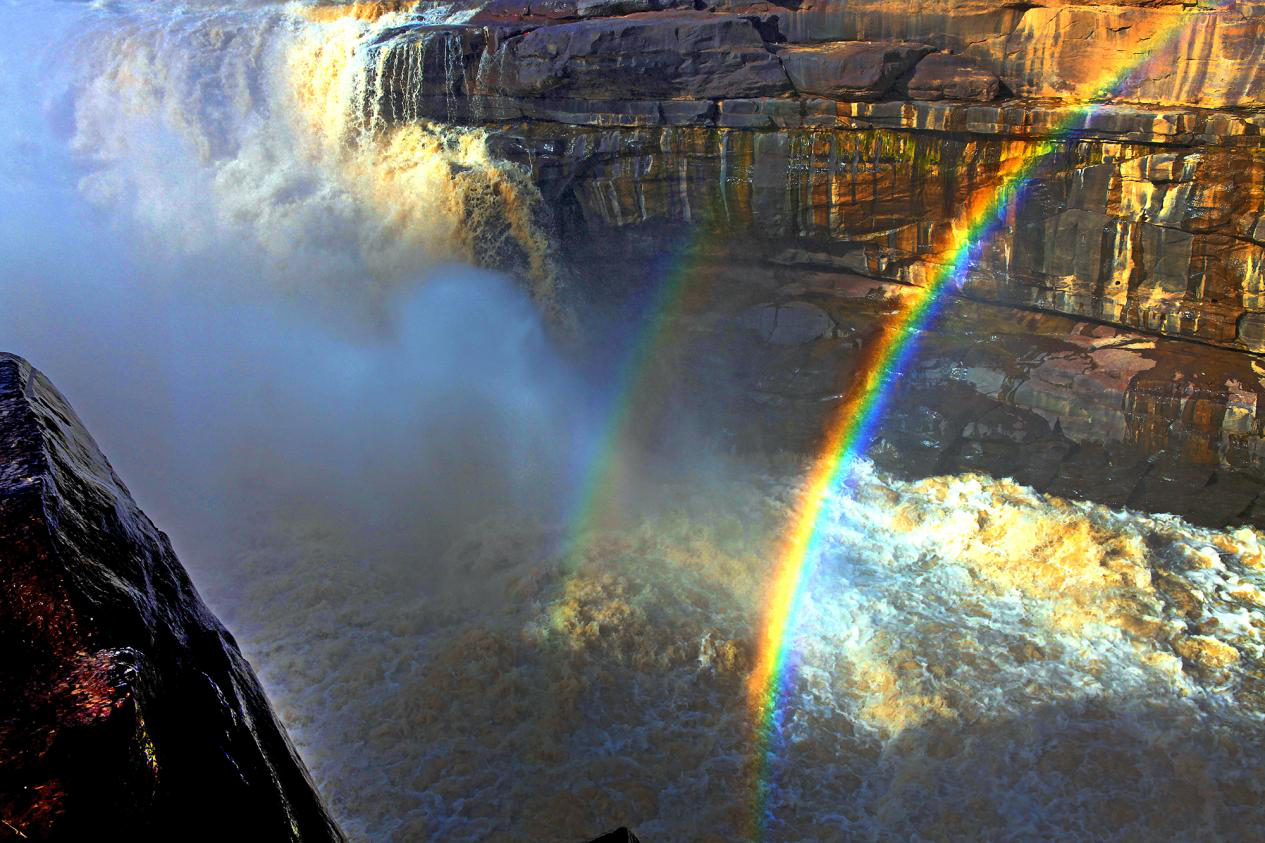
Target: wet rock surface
[1074,408]
[1156,238]
[128,709]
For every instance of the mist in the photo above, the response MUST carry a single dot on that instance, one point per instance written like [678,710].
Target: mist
[230,388]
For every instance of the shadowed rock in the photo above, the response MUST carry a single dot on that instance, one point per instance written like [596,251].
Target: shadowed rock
[127,708]
[942,76]
[858,70]
[619,835]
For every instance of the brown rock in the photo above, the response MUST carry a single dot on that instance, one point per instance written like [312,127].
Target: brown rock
[126,709]
[942,76]
[859,70]
[503,12]
[1205,651]
[1144,238]
[655,56]
[1068,50]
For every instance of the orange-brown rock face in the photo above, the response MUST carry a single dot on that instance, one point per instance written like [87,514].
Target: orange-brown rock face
[1208,57]
[859,134]
[1164,238]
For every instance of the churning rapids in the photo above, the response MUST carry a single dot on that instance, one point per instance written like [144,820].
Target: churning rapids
[367,453]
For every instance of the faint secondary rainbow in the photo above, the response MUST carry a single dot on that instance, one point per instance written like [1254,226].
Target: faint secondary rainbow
[852,425]
[598,492]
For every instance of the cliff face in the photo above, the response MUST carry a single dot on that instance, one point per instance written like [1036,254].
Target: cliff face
[814,160]
[1070,407]
[127,708]
[1161,237]
[856,134]
[1055,49]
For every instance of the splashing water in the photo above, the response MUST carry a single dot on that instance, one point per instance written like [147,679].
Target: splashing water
[407,171]
[979,661]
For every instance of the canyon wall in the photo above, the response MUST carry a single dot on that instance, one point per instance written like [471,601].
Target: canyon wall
[813,164]
[853,136]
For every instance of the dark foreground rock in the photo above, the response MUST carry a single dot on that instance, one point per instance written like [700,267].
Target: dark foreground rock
[126,709]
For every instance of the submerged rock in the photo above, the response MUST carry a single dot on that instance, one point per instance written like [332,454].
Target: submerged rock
[128,709]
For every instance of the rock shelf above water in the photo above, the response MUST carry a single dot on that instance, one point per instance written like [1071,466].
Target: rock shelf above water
[863,131]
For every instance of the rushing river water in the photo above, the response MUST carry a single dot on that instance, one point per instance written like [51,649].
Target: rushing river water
[368,452]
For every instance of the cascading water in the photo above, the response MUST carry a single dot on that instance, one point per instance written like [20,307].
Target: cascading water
[374,504]
[255,120]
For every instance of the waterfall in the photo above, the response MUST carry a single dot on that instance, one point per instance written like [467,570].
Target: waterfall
[265,124]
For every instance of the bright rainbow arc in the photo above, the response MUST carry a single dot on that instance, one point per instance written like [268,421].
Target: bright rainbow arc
[852,426]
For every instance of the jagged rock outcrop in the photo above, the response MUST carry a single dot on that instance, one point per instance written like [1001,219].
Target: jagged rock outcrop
[127,709]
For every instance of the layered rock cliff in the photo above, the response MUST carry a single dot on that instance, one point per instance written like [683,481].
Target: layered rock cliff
[816,158]
[859,133]
[127,709]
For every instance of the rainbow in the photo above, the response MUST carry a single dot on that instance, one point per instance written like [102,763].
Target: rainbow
[597,497]
[854,422]
[852,425]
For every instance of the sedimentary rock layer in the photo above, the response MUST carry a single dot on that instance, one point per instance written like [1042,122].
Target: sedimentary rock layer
[844,154]
[127,708]
[1067,406]
[860,133]
[1158,238]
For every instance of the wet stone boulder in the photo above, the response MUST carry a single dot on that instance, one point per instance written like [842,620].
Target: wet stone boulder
[854,70]
[126,708]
